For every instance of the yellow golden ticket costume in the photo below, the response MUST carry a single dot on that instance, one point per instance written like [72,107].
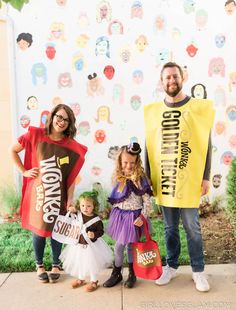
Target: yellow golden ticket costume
[177,142]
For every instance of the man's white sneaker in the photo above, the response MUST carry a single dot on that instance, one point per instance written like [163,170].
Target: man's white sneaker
[168,274]
[200,281]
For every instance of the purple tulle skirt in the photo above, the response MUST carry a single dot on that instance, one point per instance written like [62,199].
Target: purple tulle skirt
[121,226]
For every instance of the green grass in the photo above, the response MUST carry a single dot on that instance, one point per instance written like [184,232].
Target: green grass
[16,250]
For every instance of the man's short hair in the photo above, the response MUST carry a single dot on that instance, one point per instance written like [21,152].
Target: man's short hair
[172,65]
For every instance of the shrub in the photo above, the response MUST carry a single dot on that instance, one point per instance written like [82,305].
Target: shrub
[231,193]
[10,198]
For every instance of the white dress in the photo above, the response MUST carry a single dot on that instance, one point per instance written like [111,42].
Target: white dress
[83,260]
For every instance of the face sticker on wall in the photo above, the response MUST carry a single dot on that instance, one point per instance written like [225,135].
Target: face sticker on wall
[113,152]
[43,118]
[83,21]
[133,140]
[226,158]
[189,6]
[191,50]
[64,80]
[232,81]
[232,141]
[118,94]
[201,19]
[137,10]
[230,6]
[61,2]
[82,40]
[94,85]
[141,43]
[160,24]
[185,73]
[24,40]
[103,114]
[24,121]
[32,103]
[84,128]
[96,170]
[109,72]
[125,55]
[176,34]
[57,32]
[220,40]
[57,100]
[115,27]
[217,67]
[75,107]
[198,91]
[163,56]
[78,62]
[103,11]
[231,112]
[216,180]
[137,76]
[220,128]
[102,47]
[50,51]
[135,102]
[219,96]
[39,73]
[100,136]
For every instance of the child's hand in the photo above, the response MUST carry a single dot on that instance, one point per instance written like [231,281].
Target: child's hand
[91,234]
[138,222]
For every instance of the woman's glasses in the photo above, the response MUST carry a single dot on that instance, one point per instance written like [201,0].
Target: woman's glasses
[60,118]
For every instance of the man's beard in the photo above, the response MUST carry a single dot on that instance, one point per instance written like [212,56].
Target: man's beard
[173,93]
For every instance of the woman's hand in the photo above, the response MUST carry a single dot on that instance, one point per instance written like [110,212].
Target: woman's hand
[31,173]
[138,222]
[91,234]
[71,209]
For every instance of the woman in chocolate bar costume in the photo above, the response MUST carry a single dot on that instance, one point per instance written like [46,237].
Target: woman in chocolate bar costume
[51,164]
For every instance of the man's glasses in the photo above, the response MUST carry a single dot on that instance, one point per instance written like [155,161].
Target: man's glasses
[61,118]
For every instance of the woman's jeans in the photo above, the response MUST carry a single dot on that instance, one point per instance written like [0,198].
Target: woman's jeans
[190,220]
[39,246]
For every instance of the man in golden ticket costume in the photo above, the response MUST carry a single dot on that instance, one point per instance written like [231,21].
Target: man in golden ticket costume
[178,157]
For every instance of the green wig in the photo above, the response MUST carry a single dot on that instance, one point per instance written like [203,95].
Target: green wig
[93,196]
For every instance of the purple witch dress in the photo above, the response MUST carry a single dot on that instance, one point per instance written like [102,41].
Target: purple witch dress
[127,206]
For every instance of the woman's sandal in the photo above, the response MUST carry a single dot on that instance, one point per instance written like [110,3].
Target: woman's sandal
[77,283]
[54,275]
[43,276]
[91,287]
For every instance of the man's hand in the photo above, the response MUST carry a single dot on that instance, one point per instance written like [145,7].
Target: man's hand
[205,187]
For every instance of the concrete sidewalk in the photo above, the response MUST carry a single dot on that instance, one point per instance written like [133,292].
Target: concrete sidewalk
[22,291]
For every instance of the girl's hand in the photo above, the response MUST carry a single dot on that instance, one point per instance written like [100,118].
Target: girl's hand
[91,234]
[32,173]
[138,222]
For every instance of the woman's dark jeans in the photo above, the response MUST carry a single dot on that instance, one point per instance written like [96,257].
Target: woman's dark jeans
[39,246]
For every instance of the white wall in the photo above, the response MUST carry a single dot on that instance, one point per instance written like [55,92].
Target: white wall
[183,23]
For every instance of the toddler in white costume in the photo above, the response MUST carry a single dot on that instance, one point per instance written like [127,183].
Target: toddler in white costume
[91,254]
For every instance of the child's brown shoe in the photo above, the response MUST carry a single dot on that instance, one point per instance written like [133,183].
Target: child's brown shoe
[91,287]
[77,283]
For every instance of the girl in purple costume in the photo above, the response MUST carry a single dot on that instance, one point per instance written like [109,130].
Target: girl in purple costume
[130,197]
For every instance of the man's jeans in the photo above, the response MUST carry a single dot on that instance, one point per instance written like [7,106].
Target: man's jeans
[39,246]
[190,220]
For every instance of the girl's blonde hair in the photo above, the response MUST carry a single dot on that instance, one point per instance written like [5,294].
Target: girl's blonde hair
[138,171]
[91,196]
